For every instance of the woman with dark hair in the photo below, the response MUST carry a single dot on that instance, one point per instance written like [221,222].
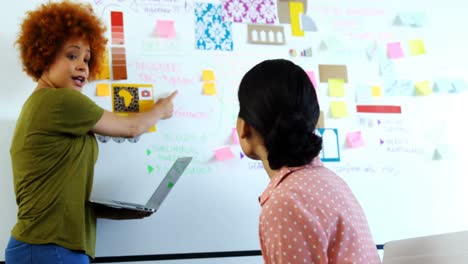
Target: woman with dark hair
[309,214]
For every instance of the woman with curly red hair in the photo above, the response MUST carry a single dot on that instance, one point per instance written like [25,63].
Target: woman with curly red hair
[54,149]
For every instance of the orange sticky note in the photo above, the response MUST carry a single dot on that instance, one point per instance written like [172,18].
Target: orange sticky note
[416,47]
[354,139]
[376,91]
[165,29]
[223,153]
[102,89]
[208,75]
[336,87]
[104,74]
[209,88]
[338,109]
[423,88]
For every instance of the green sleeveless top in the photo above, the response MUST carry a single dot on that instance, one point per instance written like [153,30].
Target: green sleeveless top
[53,154]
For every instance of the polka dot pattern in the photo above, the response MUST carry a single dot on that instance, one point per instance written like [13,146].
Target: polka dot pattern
[310,215]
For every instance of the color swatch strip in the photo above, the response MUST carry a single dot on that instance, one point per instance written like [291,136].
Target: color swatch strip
[117,27]
[119,63]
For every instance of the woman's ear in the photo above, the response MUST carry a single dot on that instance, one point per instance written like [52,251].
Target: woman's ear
[243,129]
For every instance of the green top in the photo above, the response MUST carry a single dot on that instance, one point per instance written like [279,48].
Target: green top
[53,154]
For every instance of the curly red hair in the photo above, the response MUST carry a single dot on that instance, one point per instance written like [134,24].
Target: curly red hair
[45,30]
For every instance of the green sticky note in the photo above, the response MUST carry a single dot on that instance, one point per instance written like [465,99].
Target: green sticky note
[150,169]
[336,87]
[170,184]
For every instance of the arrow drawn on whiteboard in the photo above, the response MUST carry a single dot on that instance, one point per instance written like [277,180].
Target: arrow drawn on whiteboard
[381,141]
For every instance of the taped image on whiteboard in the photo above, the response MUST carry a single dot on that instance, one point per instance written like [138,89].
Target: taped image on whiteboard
[330,145]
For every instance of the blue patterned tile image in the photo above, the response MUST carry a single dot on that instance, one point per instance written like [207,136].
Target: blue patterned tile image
[211,32]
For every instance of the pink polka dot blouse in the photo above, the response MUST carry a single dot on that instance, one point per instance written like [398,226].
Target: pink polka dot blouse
[310,215]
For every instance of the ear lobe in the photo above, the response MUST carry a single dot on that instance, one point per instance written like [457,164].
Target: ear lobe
[245,130]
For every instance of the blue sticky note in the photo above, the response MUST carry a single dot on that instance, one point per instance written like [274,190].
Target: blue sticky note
[330,145]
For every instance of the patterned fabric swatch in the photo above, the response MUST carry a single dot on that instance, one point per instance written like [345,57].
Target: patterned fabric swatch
[250,11]
[211,33]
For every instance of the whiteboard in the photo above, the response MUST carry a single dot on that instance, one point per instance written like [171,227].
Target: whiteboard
[404,188]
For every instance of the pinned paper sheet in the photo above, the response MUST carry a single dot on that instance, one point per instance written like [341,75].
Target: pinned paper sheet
[321,121]
[224,153]
[209,88]
[354,139]
[443,86]
[235,137]
[295,11]
[416,47]
[459,86]
[336,87]
[330,145]
[394,50]
[102,89]
[208,75]
[376,91]
[423,88]
[165,29]
[327,72]
[308,23]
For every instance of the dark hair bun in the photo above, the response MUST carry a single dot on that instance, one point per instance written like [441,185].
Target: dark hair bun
[291,141]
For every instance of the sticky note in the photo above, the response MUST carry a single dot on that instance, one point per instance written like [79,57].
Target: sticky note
[336,87]
[209,88]
[311,75]
[102,89]
[208,75]
[423,88]
[235,137]
[295,11]
[376,91]
[394,50]
[354,139]
[338,109]
[223,153]
[416,47]
[165,29]
[104,73]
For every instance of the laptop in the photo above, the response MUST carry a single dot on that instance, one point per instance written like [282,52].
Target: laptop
[159,194]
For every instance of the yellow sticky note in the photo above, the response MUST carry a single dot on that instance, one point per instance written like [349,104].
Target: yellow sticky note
[338,109]
[295,11]
[376,91]
[209,88]
[102,89]
[208,75]
[417,47]
[104,74]
[146,105]
[336,87]
[423,88]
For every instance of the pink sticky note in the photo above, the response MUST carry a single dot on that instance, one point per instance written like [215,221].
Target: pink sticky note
[354,139]
[165,29]
[235,137]
[394,50]
[311,75]
[223,153]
